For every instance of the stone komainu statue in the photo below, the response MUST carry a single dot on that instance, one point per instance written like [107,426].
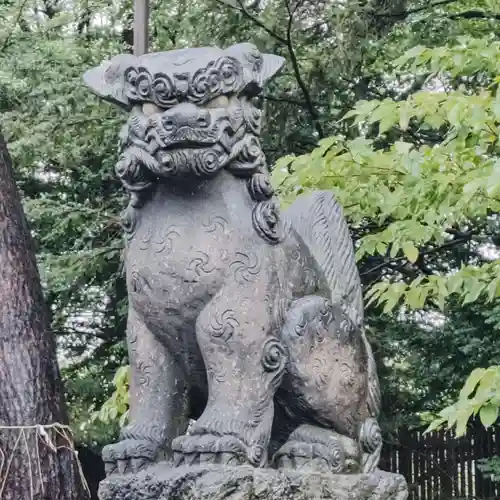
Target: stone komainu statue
[241,317]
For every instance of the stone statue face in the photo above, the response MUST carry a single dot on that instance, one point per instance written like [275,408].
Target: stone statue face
[192,112]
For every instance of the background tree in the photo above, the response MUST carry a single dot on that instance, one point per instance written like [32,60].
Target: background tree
[37,459]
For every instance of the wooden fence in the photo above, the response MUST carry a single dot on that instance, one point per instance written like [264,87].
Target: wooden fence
[438,466]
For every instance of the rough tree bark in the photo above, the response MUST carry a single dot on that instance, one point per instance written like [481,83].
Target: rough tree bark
[36,463]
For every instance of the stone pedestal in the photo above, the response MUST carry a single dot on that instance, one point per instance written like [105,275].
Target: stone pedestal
[162,482]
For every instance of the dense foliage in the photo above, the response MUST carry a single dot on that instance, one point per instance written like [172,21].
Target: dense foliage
[409,145]
[424,170]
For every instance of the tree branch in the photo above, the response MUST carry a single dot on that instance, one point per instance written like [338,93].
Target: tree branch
[309,105]
[405,13]
[474,14]
[293,57]
[5,43]
[254,19]
[454,242]
[288,100]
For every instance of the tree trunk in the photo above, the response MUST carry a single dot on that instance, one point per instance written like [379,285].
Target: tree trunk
[36,463]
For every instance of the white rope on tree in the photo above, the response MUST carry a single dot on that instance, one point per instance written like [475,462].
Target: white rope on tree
[41,435]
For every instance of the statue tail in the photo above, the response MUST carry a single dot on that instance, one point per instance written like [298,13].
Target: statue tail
[319,220]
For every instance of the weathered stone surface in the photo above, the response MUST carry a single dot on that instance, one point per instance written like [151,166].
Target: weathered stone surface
[210,482]
[243,317]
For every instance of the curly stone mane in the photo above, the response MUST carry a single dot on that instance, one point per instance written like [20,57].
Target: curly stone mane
[189,121]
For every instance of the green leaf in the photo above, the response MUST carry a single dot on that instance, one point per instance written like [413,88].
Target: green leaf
[474,289]
[124,419]
[410,251]
[405,114]
[462,419]
[487,385]
[471,383]
[435,425]
[488,414]
[455,282]
[495,107]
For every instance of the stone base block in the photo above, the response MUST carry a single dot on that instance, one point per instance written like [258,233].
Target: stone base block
[161,482]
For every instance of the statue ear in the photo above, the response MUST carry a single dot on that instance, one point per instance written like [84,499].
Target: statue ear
[108,80]
[271,64]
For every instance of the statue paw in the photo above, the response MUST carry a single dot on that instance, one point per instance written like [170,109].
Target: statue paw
[129,455]
[311,456]
[209,449]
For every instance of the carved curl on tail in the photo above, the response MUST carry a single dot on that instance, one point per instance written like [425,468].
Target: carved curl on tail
[370,439]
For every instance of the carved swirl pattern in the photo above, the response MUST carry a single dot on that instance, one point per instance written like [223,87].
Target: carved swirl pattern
[203,163]
[214,222]
[268,223]
[347,378]
[246,268]
[201,264]
[134,171]
[223,326]
[164,242]
[260,187]
[254,57]
[215,370]
[336,458]
[163,89]
[222,76]
[321,371]
[273,355]
[370,436]
[143,372]
[346,328]
[139,284]
[256,455]
[145,240]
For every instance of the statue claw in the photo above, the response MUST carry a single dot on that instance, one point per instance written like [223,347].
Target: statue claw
[208,449]
[129,455]
[178,459]
[308,456]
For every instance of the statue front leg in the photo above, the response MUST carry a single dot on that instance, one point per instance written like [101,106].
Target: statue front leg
[244,364]
[158,403]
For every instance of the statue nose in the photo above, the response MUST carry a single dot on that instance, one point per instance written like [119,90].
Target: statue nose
[186,115]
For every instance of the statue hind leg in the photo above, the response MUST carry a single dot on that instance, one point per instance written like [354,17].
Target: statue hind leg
[158,403]
[328,375]
[311,447]
[244,364]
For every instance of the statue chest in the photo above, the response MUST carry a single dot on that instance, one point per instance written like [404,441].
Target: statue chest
[176,261]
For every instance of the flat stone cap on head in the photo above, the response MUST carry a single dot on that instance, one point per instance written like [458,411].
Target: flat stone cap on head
[196,75]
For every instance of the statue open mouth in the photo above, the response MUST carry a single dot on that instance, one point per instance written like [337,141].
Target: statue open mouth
[183,137]
[185,150]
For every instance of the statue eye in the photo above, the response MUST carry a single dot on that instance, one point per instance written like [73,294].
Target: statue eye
[202,121]
[258,101]
[219,102]
[168,123]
